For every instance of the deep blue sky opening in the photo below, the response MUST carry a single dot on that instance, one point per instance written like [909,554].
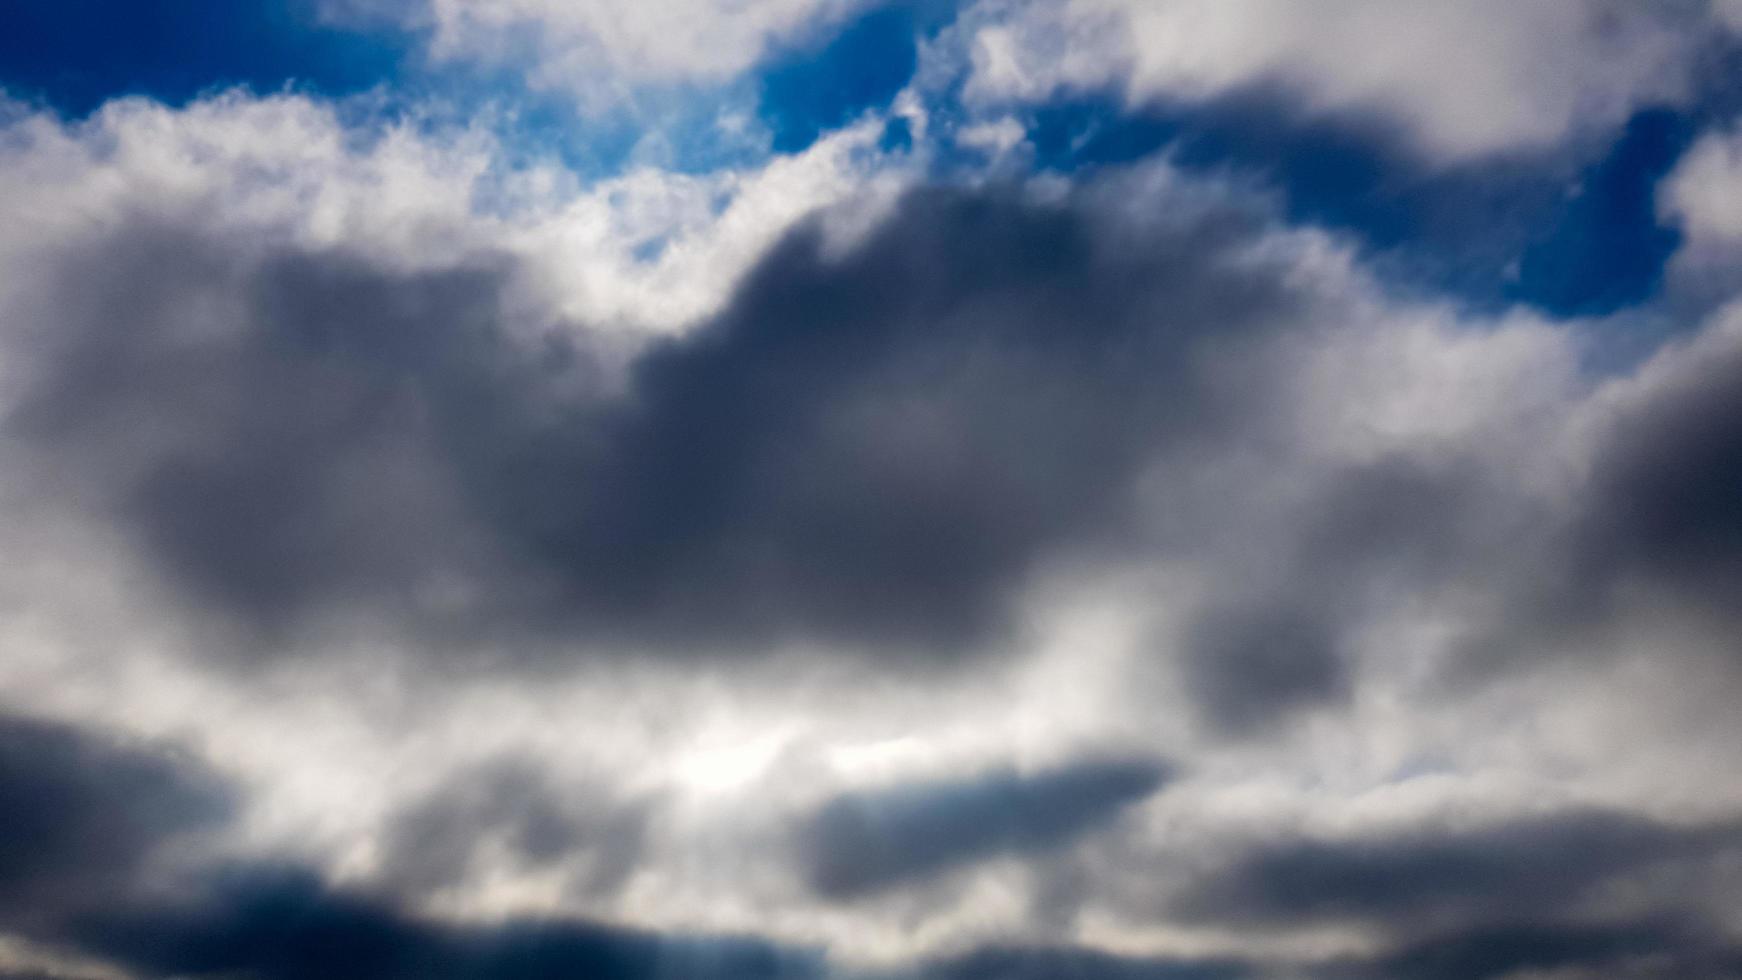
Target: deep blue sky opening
[1569,236]
[75,54]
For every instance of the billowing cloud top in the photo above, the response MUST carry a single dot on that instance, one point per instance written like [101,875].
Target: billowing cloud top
[870,490]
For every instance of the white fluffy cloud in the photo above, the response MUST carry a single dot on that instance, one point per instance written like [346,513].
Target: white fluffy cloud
[601,51]
[1703,197]
[1462,79]
[647,250]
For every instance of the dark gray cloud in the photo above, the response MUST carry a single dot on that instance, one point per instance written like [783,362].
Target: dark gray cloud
[1250,665]
[267,426]
[875,448]
[1664,506]
[1655,528]
[1066,963]
[1648,948]
[1666,948]
[882,446]
[282,924]
[85,813]
[512,811]
[1274,640]
[861,843]
[1587,893]
[1498,874]
[85,816]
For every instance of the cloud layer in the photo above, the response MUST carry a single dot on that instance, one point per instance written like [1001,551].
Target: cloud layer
[904,550]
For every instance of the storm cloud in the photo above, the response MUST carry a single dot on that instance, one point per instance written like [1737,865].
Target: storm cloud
[90,819]
[86,813]
[1495,875]
[872,448]
[1031,963]
[1664,507]
[282,924]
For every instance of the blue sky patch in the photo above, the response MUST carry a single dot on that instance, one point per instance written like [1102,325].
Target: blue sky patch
[1606,249]
[810,91]
[1569,238]
[74,54]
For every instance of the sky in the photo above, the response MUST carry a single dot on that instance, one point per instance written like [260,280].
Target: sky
[870,490]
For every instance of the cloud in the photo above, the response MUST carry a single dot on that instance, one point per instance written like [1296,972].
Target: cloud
[1584,892]
[1649,542]
[1497,875]
[1661,506]
[85,869]
[1020,963]
[645,250]
[1483,78]
[1647,948]
[281,924]
[876,447]
[1250,665]
[1641,949]
[508,812]
[1699,198]
[87,814]
[1281,634]
[602,53]
[866,842]
[975,476]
